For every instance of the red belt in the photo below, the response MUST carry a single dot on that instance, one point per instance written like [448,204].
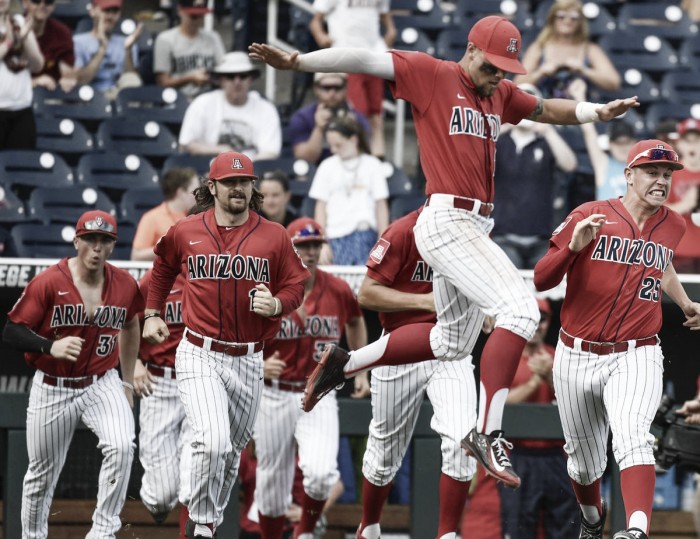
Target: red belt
[468,204]
[163,372]
[297,387]
[235,350]
[605,348]
[71,383]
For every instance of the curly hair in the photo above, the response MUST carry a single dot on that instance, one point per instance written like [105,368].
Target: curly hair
[205,200]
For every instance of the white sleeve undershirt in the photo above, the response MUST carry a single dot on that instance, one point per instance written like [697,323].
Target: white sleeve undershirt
[340,60]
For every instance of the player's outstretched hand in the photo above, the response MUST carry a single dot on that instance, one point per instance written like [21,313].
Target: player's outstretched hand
[155,330]
[264,303]
[616,108]
[273,56]
[585,231]
[143,380]
[692,316]
[361,389]
[67,348]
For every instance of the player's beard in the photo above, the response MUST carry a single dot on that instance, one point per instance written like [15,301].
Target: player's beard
[231,204]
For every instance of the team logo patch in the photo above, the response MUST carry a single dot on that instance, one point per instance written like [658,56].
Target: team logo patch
[236,164]
[513,45]
[561,226]
[379,250]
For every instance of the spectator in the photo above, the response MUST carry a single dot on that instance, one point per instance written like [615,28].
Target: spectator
[274,185]
[19,57]
[665,131]
[234,118]
[178,185]
[307,126]
[184,56]
[357,24]
[545,495]
[523,205]
[105,58]
[563,53]
[684,196]
[56,44]
[351,195]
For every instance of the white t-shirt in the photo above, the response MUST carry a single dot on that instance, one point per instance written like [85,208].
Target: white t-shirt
[354,24]
[251,129]
[350,190]
[15,89]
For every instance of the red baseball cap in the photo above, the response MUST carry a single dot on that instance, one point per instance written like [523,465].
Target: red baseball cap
[305,229]
[231,165]
[500,40]
[688,126]
[96,222]
[194,7]
[653,151]
[106,4]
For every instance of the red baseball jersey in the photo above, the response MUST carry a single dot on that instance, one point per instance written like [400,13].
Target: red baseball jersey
[52,307]
[222,266]
[302,336]
[456,128]
[613,290]
[163,354]
[683,180]
[394,261]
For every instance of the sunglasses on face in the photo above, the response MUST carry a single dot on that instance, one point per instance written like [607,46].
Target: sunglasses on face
[656,154]
[46,2]
[111,10]
[331,87]
[569,16]
[488,69]
[235,76]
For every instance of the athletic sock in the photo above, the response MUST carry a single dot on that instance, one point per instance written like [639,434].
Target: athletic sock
[588,497]
[453,496]
[184,517]
[499,361]
[271,527]
[373,500]
[311,510]
[404,345]
[637,484]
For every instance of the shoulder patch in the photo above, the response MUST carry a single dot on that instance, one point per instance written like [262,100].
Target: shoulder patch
[562,226]
[379,250]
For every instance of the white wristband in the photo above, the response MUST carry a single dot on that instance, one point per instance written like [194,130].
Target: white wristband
[128,385]
[278,307]
[586,112]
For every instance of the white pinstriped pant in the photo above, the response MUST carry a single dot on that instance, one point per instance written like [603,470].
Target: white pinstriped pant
[53,415]
[283,426]
[164,446]
[221,395]
[397,395]
[596,394]
[472,276]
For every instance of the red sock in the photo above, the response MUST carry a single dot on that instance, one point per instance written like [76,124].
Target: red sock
[637,484]
[271,527]
[311,510]
[499,361]
[453,496]
[184,515]
[588,494]
[373,499]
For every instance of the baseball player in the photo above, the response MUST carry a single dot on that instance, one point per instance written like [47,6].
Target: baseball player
[76,321]
[241,274]
[458,109]
[617,255]
[398,284]
[329,309]
[164,434]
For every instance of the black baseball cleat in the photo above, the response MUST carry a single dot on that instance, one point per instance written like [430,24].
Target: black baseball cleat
[631,533]
[490,451]
[160,517]
[593,531]
[327,375]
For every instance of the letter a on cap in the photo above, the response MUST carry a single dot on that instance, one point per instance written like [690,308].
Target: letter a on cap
[237,163]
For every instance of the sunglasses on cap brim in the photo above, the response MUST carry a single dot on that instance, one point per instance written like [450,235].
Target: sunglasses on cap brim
[656,154]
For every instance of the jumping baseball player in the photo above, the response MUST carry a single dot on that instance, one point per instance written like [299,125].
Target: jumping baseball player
[76,321]
[617,256]
[241,274]
[458,109]
[165,434]
[398,284]
[282,429]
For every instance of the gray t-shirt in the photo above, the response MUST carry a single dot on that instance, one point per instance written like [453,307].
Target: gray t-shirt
[177,54]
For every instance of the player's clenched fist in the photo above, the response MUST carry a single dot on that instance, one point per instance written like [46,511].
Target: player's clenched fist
[155,330]
[585,231]
[264,303]
[67,348]
[274,366]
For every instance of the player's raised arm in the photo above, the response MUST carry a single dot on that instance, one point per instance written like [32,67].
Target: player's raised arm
[569,112]
[333,60]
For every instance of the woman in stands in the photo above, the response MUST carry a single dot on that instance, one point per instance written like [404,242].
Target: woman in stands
[19,57]
[563,53]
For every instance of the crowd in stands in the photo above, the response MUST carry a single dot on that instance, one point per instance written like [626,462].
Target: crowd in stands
[327,159]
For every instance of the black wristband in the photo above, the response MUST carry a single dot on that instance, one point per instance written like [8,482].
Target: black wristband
[152,315]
